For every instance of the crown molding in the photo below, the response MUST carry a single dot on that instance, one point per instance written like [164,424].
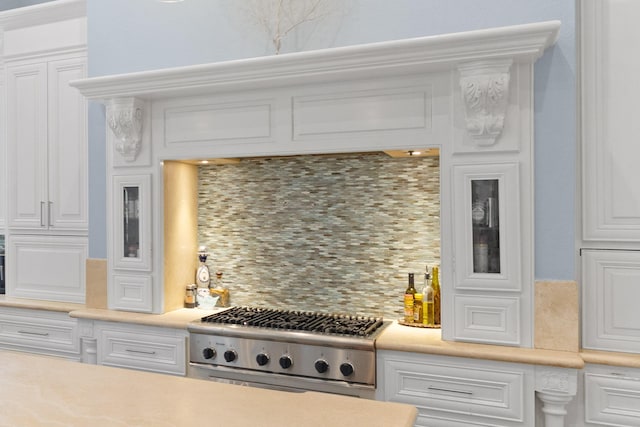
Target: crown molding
[44,13]
[520,44]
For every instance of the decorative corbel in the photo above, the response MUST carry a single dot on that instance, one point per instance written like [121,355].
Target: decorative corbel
[555,387]
[124,116]
[485,94]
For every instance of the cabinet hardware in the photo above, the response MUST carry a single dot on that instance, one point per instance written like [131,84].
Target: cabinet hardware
[468,393]
[41,214]
[40,334]
[140,351]
[49,213]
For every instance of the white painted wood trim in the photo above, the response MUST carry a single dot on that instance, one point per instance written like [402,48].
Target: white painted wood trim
[521,43]
[43,13]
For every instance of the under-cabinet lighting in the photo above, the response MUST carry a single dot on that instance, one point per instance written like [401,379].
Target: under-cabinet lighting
[204,162]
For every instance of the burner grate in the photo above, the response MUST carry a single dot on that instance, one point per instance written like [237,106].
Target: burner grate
[321,323]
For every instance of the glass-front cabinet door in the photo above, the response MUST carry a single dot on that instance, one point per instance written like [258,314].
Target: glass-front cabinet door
[132,222]
[487,248]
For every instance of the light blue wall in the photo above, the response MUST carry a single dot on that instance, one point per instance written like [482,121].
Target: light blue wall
[126,36]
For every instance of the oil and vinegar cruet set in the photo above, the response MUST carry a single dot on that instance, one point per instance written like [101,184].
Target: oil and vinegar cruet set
[206,292]
[423,308]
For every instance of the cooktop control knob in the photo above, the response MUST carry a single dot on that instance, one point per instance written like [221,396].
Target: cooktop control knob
[230,355]
[286,362]
[262,359]
[346,369]
[321,366]
[208,353]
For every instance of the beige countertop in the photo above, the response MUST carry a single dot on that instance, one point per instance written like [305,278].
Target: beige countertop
[6,301]
[172,319]
[394,337]
[39,391]
[420,340]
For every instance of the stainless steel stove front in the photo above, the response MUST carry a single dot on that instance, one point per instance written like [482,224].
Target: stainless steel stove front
[277,364]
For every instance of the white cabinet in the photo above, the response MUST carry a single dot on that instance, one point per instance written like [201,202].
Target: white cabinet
[611,198]
[147,348]
[451,391]
[610,194]
[47,267]
[3,147]
[611,283]
[38,331]
[47,154]
[612,396]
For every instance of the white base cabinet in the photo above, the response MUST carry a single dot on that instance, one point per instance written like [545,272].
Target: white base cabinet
[47,267]
[612,396]
[145,348]
[39,331]
[452,391]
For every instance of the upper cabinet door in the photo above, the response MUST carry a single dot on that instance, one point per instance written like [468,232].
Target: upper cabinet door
[27,146]
[67,153]
[487,224]
[610,126]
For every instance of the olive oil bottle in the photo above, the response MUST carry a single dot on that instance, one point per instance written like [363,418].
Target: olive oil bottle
[428,313]
[435,283]
[409,300]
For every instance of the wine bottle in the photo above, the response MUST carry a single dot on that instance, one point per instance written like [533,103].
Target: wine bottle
[435,283]
[409,300]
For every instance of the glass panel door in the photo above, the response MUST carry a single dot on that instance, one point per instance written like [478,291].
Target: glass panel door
[485,224]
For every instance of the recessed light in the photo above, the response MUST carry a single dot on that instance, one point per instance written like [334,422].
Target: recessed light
[204,162]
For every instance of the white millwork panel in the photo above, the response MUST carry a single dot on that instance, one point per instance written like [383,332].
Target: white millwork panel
[147,348]
[611,282]
[610,261]
[44,49]
[39,331]
[453,391]
[47,267]
[611,198]
[612,396]
[467,94]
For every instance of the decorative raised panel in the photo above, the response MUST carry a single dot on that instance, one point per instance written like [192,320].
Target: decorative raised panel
[485,92]
[124,116]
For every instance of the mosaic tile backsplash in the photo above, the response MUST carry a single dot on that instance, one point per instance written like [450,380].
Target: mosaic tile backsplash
[331,233]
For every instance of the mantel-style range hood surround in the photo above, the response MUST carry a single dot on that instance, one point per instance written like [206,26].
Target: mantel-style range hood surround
[468,94]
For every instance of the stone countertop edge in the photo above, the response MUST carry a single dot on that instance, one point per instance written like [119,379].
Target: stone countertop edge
[395,337]
[39,390]
[429,341]
[177,319]
[33,304]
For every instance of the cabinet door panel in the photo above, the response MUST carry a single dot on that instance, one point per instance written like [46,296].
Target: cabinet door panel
[611,286]
[47,268]
[611,196]
[67,147]
[27,145]
[486,209]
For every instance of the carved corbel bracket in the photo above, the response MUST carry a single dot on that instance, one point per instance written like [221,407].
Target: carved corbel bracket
[555,387]
[485,94]
[124,117]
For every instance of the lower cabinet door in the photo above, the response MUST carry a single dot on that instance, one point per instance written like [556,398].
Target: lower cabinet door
[47,268]
[451,391]
[612,396]
[39,331]
[144,348]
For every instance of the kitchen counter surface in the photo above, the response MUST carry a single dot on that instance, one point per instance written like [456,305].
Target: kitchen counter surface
[429,341]
[38,391]
[627,360]
[172,319]
[6,301]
